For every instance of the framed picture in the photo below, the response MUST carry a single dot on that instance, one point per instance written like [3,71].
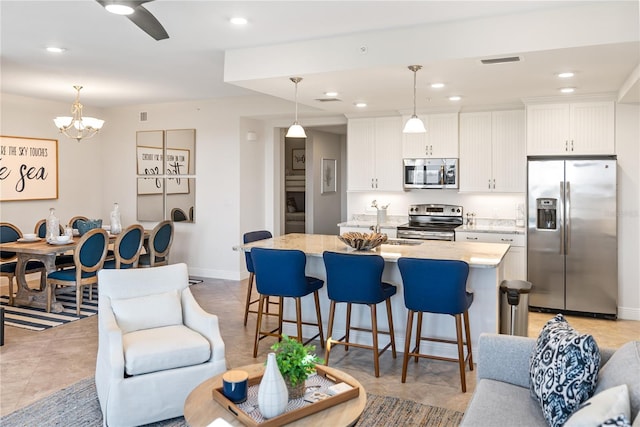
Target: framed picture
[328,176]
[297,158]
[28,168]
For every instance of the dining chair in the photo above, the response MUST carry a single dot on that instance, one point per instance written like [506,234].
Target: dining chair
[88,258]
[127,248]
[437,286]
[8,263]
[280,273]
[357,279]
[254,236]
[73,222]
[62,260]
[178,215]
[159,245]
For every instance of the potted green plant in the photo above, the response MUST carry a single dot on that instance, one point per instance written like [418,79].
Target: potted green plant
[295,362]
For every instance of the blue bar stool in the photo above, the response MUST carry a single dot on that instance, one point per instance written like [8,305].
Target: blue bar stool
[357,279]
[436,286]
[280,273]
[254,236]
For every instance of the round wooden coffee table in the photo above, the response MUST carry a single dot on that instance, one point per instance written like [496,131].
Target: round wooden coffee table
[200,409]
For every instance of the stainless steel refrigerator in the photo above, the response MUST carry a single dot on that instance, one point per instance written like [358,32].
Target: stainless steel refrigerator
[572,249]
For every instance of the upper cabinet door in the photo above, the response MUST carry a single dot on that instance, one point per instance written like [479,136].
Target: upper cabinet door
[509,151]
[592,128]
[548,129]
[388,157]
[475,152]
[360,154]
[442,135]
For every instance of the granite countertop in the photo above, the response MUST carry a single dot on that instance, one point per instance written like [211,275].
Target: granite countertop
[484,228]
[368,224]
[483,255]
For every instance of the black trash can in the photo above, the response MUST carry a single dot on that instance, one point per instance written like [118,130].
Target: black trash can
[514,307]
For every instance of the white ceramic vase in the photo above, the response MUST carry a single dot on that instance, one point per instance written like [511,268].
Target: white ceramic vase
[272,393]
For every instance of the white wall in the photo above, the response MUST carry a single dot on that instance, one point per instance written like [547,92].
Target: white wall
[80,164]
[325,208]
[627,141]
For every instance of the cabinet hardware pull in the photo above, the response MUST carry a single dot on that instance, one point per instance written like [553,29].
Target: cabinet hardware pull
[566,145]
[572,145]
[472,238]
[489,185]
[494,183]
[507,240]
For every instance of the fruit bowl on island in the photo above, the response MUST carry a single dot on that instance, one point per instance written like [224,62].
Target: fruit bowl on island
[363,241]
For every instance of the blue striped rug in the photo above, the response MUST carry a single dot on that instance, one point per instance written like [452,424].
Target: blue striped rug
[37,319]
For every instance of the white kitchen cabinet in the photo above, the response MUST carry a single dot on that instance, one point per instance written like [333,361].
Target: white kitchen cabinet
[440,140]
[515,260]
[492,151]
[571,129]
[374,157]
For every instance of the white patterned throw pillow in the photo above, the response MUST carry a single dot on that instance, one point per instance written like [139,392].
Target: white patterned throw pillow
[563,370]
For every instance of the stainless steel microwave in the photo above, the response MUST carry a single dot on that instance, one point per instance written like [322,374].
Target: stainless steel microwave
[430,173]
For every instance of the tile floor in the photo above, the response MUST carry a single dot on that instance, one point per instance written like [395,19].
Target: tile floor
[36,364]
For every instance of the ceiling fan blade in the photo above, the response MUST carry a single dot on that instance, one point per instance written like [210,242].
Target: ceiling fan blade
[148,23]
[141,17]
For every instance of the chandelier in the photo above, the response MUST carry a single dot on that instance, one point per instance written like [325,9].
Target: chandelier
[78,127]
[296,130]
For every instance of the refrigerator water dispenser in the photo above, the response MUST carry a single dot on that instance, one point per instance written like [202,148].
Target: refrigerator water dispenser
[547,213]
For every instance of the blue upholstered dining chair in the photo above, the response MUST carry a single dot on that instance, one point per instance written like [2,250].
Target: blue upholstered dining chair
[178,215]
[88,257]
[62,260]
[73,222]
[437,286]
[357,279]
[126,248]
[8,263]
[280,273]
[254,236]
[160,241]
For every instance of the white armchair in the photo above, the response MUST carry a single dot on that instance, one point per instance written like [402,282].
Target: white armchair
[155,344]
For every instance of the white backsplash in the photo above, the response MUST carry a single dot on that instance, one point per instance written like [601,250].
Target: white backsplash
[487,207]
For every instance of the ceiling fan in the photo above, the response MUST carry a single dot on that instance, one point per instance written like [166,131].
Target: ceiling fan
[138,15]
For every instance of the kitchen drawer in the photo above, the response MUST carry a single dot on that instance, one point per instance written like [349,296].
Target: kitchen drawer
[510,238]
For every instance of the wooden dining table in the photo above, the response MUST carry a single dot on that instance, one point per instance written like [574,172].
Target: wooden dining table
[46,253]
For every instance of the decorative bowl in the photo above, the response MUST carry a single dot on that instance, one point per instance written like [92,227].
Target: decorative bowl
[62,239]
[363,241]
[29,236]
[84,226]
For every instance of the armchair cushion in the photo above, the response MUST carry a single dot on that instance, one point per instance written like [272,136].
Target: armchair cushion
[148,312]
[159,349]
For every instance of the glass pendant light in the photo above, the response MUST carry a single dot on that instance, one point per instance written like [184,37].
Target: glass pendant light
[296,131]
[414,124]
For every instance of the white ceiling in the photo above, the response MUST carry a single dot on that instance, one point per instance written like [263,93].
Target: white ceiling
[118,64]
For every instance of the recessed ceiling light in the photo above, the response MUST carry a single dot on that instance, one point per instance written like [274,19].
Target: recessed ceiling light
[360,104]
[238,20]
[54,49]
[437,85]
[567,90]
[119,9]
[331,93]
[565,75]
[455,98]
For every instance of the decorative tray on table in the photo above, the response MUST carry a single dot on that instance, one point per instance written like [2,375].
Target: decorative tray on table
[249,414]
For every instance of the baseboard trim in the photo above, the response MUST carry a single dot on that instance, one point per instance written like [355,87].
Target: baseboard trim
[628,313]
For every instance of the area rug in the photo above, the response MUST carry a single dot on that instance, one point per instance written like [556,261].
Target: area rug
[77,406]
[37,319]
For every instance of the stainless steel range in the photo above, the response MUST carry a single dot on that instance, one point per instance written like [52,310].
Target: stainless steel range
[431,222]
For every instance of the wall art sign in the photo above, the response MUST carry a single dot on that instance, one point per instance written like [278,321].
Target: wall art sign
[328,173]
[151,161]
[297,158]
[28,168]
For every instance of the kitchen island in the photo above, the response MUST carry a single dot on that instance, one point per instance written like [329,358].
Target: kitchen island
[485,275]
